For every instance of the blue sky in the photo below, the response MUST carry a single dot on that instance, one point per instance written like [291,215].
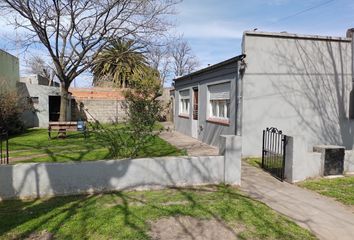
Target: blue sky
[214,27]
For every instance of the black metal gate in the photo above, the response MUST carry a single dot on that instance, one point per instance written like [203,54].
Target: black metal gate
[4,148]
[274,152]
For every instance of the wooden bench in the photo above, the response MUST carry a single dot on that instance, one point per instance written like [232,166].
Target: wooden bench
[63,127]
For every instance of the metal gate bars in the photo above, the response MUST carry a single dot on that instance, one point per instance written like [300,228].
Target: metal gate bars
[4,148]
[274,152]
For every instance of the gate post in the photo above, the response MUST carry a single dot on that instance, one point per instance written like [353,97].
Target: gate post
[231,148]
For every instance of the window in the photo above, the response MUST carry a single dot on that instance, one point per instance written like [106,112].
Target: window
[219,101]
[184,102]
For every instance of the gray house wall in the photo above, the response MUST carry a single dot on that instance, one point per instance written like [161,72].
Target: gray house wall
[9,71]
[37,115]
[208,132]
[299,84]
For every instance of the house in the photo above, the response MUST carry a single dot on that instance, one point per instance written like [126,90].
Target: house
[9,71]
[42,101]
[300,84]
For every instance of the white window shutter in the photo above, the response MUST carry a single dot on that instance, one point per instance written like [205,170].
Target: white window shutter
[220,91]
[184,94]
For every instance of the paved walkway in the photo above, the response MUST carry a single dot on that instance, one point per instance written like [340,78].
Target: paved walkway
[325,217]
[191,145]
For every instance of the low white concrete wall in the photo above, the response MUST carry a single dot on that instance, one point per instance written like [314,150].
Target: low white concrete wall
[301,164]
[48,179]
[231,147]
[349,161]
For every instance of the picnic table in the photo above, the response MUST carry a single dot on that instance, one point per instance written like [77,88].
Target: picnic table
[61,128]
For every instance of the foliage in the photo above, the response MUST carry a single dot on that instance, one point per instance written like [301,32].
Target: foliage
[142,110]
[342,189]
[127,215]
[117,63]
[34,146]
[10,111]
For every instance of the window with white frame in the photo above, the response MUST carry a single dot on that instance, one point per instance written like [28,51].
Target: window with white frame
[219,101]
[184,102]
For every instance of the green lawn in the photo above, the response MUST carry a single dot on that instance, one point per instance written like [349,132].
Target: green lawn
[34,146]
[341,189]
[127,215]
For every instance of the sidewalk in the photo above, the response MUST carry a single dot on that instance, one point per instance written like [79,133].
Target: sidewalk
[192,146]
[326,218]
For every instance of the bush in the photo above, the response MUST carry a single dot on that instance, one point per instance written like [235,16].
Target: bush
[142,111]
[10,111]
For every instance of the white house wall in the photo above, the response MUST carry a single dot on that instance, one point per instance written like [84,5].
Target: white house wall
[300,85]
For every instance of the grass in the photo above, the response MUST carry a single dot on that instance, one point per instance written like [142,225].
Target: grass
[341,189]
[127,215]
[34,146]
[254,161]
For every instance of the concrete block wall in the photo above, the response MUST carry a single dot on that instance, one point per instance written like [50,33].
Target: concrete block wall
[103,110]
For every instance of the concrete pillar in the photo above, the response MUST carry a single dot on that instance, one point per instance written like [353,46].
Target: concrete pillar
[231,147]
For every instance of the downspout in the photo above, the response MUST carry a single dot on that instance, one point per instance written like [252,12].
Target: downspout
[350,33]
[239,95]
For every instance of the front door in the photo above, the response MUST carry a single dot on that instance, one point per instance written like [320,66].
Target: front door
[195,113]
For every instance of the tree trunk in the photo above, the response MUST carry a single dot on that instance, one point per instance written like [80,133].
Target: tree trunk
[64,101]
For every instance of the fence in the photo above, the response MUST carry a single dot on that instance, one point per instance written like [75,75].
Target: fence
[4,148]
[274,152]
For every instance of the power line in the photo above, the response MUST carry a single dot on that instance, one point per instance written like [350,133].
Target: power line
[305,10]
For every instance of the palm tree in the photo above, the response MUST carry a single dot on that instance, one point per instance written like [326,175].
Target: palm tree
[118,62]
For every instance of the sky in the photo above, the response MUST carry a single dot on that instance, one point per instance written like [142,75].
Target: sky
[214,28]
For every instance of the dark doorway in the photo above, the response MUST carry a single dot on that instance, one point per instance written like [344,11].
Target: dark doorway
[195,104]
[54,108]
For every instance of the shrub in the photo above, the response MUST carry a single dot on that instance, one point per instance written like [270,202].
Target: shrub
[142,111]
[10,111]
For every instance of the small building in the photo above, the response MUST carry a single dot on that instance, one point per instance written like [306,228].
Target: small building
[42,102]
[300,84]
[9,71]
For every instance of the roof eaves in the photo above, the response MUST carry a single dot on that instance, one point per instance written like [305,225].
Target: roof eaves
[234,59]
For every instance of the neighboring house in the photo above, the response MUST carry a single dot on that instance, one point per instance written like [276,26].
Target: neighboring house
[297,83]
[9,71]
[42,101]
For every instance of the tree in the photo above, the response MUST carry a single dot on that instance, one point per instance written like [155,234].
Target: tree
[184,61]
[117,63]
[159,58]
[38,66]
[72,32]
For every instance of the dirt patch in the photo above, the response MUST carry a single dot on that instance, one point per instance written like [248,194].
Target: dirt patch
[44,235]
[188,228]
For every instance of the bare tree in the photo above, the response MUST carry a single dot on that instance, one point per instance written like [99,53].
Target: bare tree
[38,65]
[73,31]
[159,58]
[184,61]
